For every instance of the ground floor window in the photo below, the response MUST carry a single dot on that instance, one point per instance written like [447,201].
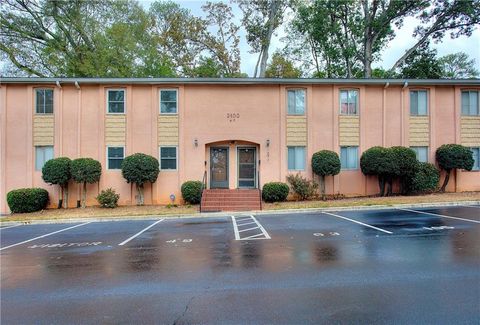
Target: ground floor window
[349,157]
[42,155]
[476,158]
[115,156]
[296,158]
[422,153]
[168,158]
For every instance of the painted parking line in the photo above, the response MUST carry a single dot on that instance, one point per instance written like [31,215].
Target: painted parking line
[139,233]
[10,226]
[239,228]
[438,215]
[46,235]
[358,222]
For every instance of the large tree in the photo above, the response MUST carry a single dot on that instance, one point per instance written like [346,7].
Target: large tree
[281,67]
[457,66]
[422,64]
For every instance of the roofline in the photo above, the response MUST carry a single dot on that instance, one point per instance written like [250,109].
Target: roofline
[237,81]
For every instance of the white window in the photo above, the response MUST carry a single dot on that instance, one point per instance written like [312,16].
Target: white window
[476,158]
[296,101]
[349,102]
[470,105]
[116,101]
[349,157]
[168,101]
[44,101]
[421,152]
[115,156]
[168,158]
[296,158]
[42,155]
[418,102]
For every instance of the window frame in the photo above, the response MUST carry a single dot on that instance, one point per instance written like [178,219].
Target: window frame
[357,107]
[107,162]
[461,101]
[108,101]
[35,101]
[427,91]
[160,158]
[476,167]
[35,159]
[415,148]
[160,100]
[304,102]
[356,161]
[304,159]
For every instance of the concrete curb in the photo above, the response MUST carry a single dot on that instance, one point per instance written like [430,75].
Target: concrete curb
[256,213]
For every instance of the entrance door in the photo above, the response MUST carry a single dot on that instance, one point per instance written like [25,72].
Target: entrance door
[247,167]
[218,167]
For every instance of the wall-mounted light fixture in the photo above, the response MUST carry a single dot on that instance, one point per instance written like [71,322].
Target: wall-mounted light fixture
[195,142]
[268,142]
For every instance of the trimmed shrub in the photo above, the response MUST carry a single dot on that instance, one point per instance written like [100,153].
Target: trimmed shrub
[275,192]
[27,200]
[325,163]
[85,170]
[424,180]
[453,156]
[108,198]
[57,172]
[404,166]
[376,161]
[301,187]
[192,191]
[140,168]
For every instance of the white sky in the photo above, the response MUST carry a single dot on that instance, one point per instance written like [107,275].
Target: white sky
[402,41]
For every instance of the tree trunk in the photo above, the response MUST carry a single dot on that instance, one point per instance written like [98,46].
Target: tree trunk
[367,42]
[266,42]
[381,185]
[84,195]
[65,196]
[445,182]
[322,187]
[60,198]
[390,186]
[140,200]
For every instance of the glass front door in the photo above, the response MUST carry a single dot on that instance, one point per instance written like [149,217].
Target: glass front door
[247,167]
[218,167]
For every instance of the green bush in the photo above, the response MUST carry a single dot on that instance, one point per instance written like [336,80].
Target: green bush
[275,192]
[325,163]
[108,198]
[139,169]
[404,165]
[301,187]
[85,170]
[192,191]
[57,172]
[453,156]
[27,200]
[424,180]
[376,161]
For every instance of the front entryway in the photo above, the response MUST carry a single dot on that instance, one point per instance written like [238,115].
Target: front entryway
[219,167]
[247,170]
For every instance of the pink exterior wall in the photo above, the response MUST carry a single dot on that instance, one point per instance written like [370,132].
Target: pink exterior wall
[202,109]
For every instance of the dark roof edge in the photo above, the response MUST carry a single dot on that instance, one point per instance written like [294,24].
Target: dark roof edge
[237,81]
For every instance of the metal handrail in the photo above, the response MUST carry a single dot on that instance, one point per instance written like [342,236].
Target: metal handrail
[204,187]
[259,185]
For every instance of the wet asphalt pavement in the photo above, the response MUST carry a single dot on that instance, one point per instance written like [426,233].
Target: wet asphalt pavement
[363,267]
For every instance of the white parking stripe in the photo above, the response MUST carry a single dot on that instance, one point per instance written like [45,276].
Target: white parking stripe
[439,215]
[46,235]
[247,223]
[248,229]
[358,222]
[267,236]
[139,233]
[10,226]
[237,230]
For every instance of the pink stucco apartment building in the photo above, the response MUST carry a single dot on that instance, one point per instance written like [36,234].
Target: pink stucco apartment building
[239,133]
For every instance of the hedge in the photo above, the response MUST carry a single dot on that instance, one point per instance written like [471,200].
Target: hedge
[192,191]
[275,192]
[424,180]
[27,200]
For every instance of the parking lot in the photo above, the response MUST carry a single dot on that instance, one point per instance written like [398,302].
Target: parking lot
[417,265]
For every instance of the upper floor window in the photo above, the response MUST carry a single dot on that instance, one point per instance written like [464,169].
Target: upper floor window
[115,156]
[296,158]
[168,158]
[418,102]
[349,102]
[470,102]
[43,101]
[116,101]
[349,157]
[42,155]
[168,101]
[421,152]
[476,158]
[296,101]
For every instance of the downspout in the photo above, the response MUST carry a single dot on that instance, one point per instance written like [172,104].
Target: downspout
[384,113]
[79,137]
[402,115]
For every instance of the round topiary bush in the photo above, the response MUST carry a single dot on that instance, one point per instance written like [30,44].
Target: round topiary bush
[85,170]
[192,191]
[453,156]
[27,200]
[275,192]
[325,163]
[139,169]
[424,180]
[377,161]
[57,172]
[404,166]
[108,198]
